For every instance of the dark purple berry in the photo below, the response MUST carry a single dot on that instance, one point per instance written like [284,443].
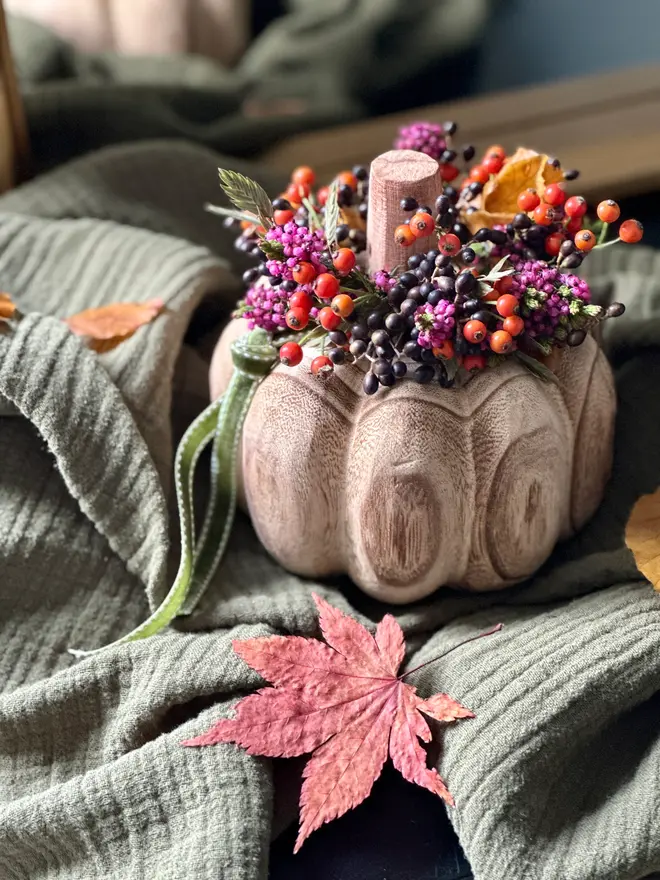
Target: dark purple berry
[250,276]
[342,232]
[446,286]
[470,306]
[567,248]
[289,286]
[361,172]
[387,380]
[426,288]
[416,295]
[358,347]
[380,337]
[576,337]
[521,221]
[399,369]
[468,152]
[427,267]
[408,279]
[370,384]
[375,320]
[409,307]
[408,204]
[394,322]
[442,204]
[571,174]
[451,193]
[468,255]
[337,355]
[498,236]
[338,337]
[414,261]
[360,331]
[614,310]
[424,374]
[381,367]
[450,127]
[434,297]
[397,295]
[412,350]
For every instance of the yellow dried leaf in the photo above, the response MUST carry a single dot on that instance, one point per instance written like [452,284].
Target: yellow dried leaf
[643,536]
[7,307]
[106,327]
[352,218]
[499,200]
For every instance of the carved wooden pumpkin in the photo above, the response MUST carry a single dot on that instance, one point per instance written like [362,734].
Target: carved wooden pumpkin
[420,486]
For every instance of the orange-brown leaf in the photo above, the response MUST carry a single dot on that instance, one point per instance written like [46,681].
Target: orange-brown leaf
[7,307]
[643,536]
[499,200]
[108,326]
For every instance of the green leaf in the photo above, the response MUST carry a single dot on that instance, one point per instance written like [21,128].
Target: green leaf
[537,368]
[231,212]
[332,215]
[314,217]
[247,195]
[497,272]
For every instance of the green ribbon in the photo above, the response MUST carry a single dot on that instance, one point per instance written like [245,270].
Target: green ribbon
[221,422]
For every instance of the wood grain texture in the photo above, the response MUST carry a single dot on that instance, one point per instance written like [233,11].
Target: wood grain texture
[395,174]
[421,487]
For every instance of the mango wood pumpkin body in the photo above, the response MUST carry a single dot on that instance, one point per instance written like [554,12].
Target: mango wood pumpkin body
[420,487]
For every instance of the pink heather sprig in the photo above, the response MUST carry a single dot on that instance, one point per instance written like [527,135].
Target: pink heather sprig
[435,323]
[384,280]
[555,290]
[265,307]
[424,137]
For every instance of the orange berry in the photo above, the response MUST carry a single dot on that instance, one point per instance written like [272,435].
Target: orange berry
[504,284]
[501,342]
[291,354]
[322,195]
[448,172]
[474,362]
[301,300]
[576,206]
[303,176]
[326,286]
[491,296]
[543,214]
[422,224]
[496,150]
[608,211]
[574,225]
[404,235]
[554,194]
[347,178]
[553,243]
[304,273]
[446,350]
[492,163]
[344,261]
[342,305]
[328,320]
[321,364]
[475,331]
[297,318]
[282,217]
[479,174]
[506,305]
[449,244]
[631,231]
[528,199]
[585,240]
[513,325]
[295,194]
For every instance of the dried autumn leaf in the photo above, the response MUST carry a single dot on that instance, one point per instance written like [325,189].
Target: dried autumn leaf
[7,307]
[342,701]
[643,536]
[498,202]
[108,326]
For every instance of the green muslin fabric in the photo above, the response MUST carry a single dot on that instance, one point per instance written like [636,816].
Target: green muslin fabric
[556,777]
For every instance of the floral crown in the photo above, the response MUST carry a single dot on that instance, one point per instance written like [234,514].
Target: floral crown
[496,282]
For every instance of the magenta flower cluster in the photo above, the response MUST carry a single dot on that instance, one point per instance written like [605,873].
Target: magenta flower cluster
[424,137]
[300,244]
[384,280]
[265,307]
[435,323]
[553,288]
